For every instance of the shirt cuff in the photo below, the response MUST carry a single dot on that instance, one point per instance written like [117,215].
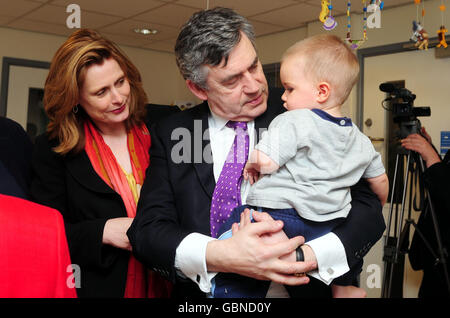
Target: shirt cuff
[190,259]
[331,258]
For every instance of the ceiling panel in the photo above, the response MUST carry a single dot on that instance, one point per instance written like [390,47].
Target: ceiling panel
[126,27]
[58,15]
[127,40]
[42,27]
[166,46]
[17,8]
[265,28]
[169,14]
[5,19]
[118,18]
[290,17]
[248,8]
[119,8]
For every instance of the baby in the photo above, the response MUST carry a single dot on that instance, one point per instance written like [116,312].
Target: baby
[309,158]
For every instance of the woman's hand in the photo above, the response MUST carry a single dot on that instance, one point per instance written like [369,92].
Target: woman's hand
[419,144]
[115,233]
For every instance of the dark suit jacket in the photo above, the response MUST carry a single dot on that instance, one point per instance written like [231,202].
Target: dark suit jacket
[175,199]
[70,185]
[15,159]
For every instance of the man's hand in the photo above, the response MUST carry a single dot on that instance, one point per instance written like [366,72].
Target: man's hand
[245,253]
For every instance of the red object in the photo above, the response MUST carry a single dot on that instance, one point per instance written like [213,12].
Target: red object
[34,255]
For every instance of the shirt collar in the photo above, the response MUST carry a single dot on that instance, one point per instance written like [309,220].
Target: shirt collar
[217,122]
[341,121]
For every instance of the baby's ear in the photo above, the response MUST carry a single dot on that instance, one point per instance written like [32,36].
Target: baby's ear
[324,91]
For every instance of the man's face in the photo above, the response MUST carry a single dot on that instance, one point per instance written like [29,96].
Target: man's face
[238,91]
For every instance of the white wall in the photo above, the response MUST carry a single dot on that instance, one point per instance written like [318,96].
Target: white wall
[161,78]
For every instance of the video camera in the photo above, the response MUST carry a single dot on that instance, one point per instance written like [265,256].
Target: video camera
[402,107]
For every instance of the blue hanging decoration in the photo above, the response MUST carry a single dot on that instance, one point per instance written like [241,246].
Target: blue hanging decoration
[329,23]
[354,44]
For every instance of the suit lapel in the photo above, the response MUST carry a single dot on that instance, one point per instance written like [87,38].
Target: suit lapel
[81,169]
[201,148]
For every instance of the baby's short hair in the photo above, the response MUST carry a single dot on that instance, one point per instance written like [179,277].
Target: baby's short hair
[327,58]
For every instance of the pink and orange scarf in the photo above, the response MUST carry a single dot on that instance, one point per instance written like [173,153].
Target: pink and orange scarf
[140,283]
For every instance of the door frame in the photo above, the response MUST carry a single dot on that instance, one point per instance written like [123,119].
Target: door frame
[361,54]
[6,64]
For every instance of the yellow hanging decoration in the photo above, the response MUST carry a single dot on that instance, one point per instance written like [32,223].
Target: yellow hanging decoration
[442,30]
[324,13]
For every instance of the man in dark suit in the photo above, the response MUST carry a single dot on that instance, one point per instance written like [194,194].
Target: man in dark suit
[15,159]
[172,231]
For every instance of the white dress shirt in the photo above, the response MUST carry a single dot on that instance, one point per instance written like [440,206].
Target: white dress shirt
[190,257]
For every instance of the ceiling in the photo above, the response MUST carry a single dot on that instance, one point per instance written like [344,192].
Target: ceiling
[116,19]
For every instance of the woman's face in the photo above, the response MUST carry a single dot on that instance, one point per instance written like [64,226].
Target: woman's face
[105,95]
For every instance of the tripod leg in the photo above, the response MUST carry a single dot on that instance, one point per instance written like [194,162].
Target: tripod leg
[390,243]
[402,213]
[387,256]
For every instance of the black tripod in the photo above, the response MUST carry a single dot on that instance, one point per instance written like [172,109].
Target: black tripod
[397,245]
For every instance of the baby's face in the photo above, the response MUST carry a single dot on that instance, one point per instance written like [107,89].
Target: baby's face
[299,91]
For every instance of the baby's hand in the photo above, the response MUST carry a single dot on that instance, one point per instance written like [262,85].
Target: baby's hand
[251,174]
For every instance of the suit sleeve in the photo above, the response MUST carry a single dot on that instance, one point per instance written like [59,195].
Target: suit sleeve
[48,187]
[155,232]
[364,225]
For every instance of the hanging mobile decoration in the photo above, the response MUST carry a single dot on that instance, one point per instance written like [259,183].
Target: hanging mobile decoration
[442,30]
[420,36]
[329,23]
[325,10]
[354,44]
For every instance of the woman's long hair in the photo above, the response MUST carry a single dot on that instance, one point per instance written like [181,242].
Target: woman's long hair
[65,78]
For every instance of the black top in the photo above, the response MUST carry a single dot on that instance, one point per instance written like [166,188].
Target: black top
[15,159]
[437,180]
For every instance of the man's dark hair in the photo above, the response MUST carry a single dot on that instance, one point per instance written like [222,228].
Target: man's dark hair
[206,39]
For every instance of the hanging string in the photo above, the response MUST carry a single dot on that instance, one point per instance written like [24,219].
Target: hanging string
[349,26]
[354,44]
[207,4]
[423,13]
[365,21]
[417,2]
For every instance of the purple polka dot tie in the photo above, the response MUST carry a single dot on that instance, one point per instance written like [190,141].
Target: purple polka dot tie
[227,193]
